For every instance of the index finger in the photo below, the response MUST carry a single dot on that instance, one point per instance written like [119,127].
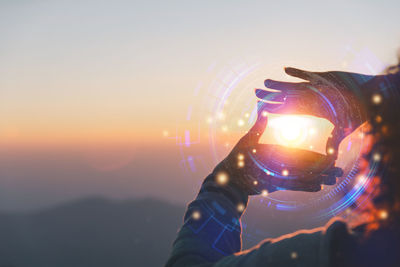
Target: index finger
[303,74]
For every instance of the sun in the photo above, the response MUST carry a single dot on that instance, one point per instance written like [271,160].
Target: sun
[297,131]
[290,130]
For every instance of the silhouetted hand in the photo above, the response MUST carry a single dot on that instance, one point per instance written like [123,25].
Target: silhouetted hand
[345,99]
[259,168]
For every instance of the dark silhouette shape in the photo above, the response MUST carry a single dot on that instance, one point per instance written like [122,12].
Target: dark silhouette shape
[211,233]
[90,232]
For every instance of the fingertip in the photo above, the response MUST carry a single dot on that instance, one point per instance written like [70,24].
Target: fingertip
[297,73]
[261,123]
[260,107]
[267,82]
[315,188]
[338,172]
[271,97]
[291,70]
[329,180]
[262,113]
[334,171]
[288,70]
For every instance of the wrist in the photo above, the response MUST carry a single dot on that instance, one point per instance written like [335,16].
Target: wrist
[222,181]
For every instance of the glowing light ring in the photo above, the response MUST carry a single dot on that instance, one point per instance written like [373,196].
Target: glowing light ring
[270,201]
[280,204]
[339,187]
[352,195]
[220,104]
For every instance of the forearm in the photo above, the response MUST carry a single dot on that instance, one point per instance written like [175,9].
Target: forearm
[211,233]
[213,238]
[212,227]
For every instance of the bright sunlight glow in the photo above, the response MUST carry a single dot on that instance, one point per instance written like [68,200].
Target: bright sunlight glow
[291,130]
[297,131]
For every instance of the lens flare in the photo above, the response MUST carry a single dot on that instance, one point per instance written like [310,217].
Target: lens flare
[290,130]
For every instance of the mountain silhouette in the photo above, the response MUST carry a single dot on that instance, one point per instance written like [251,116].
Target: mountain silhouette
[102,232]
[91,232]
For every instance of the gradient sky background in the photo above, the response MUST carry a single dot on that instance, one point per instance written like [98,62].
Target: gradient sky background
[87,88]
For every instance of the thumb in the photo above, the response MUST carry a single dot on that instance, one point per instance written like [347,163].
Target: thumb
[255,133]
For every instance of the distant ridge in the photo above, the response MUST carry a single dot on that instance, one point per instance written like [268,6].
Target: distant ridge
[91,232]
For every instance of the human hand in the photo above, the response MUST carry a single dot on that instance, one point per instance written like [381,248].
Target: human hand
[345,99]
[259,168]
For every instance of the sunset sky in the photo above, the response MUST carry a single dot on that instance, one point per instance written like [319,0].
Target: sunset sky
[95,96]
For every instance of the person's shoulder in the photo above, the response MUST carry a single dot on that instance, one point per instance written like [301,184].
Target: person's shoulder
[337,243]
[336,229]
[303,247]
[323,246]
